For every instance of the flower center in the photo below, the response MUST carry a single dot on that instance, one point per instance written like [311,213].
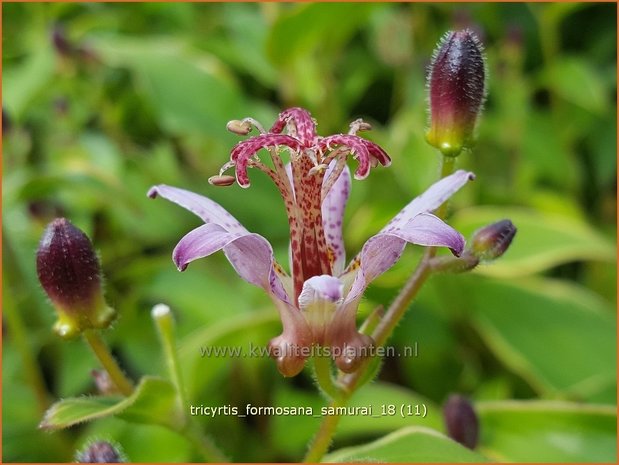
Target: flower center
[304,183]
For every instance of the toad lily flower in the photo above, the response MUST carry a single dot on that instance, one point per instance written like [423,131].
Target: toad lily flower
[318,301]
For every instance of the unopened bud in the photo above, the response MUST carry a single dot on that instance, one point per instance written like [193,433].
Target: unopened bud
[6,121]
[461,421]
[242,128]
[100,452]
[222,180]
[61,42]
[69,272]
[492,241]
[104,384]
[457,87]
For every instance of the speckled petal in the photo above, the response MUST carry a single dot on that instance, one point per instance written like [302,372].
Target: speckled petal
[333,208]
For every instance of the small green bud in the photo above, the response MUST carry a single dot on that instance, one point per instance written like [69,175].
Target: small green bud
[69,272]
[457,89]
[492,241]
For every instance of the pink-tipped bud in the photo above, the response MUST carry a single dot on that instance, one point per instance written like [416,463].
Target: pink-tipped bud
[242,128]
[69,272]
[100,452]
[492,241]
[457,88]
[461,421]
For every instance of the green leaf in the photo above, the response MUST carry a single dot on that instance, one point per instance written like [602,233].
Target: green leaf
[559,337]
[20,85]
[410,444]
[321,25]
[235,333]
[373,396]
[153,401]
[542,431]
[191,92]
[542,241]
[578,82]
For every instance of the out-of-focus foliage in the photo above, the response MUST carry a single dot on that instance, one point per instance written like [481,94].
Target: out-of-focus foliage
[101,101]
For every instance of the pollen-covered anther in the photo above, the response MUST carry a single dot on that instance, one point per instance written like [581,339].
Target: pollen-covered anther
[359,125]
[318,169]
[221,180]
[242,128]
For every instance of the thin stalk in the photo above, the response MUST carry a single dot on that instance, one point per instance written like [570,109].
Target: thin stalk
[164,321]
[323,438]
[204,444]
[29,364]
[102,352]
[324,377]
[165,327]
[385,327]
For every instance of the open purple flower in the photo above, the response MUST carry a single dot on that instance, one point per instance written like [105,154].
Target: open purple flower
[318,300]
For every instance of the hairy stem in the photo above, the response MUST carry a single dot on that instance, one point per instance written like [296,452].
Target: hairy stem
[324,377]
[164,321]
[102,352]
[349,382]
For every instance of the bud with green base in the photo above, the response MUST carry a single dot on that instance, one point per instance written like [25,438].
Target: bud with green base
[69,272]
[457,90]
[487,244]
[492,241]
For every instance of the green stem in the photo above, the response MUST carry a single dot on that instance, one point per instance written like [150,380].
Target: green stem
[323,438]
[164,321]
[324,376]
[29,364]
[102,352]
[381,334]
[204,444]
[165,327]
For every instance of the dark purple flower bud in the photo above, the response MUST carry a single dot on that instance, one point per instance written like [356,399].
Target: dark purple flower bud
[100,452]
[6,121]
[461,421]
[492,241]
[61,42]
[69,272]
[457,88]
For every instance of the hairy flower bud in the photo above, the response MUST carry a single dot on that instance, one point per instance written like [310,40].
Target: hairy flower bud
[461,421]
[100,452]
[492,241]
[69,272]
[6,121]
[457,89]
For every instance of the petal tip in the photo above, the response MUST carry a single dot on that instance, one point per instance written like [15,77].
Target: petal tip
[152,192]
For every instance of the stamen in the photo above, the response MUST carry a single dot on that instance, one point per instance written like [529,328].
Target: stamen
[255,124]
[220,180]
[226,167]
[359,125]
[337,170]
[242,128]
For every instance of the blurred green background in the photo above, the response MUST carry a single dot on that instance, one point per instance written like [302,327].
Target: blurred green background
[101,101]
